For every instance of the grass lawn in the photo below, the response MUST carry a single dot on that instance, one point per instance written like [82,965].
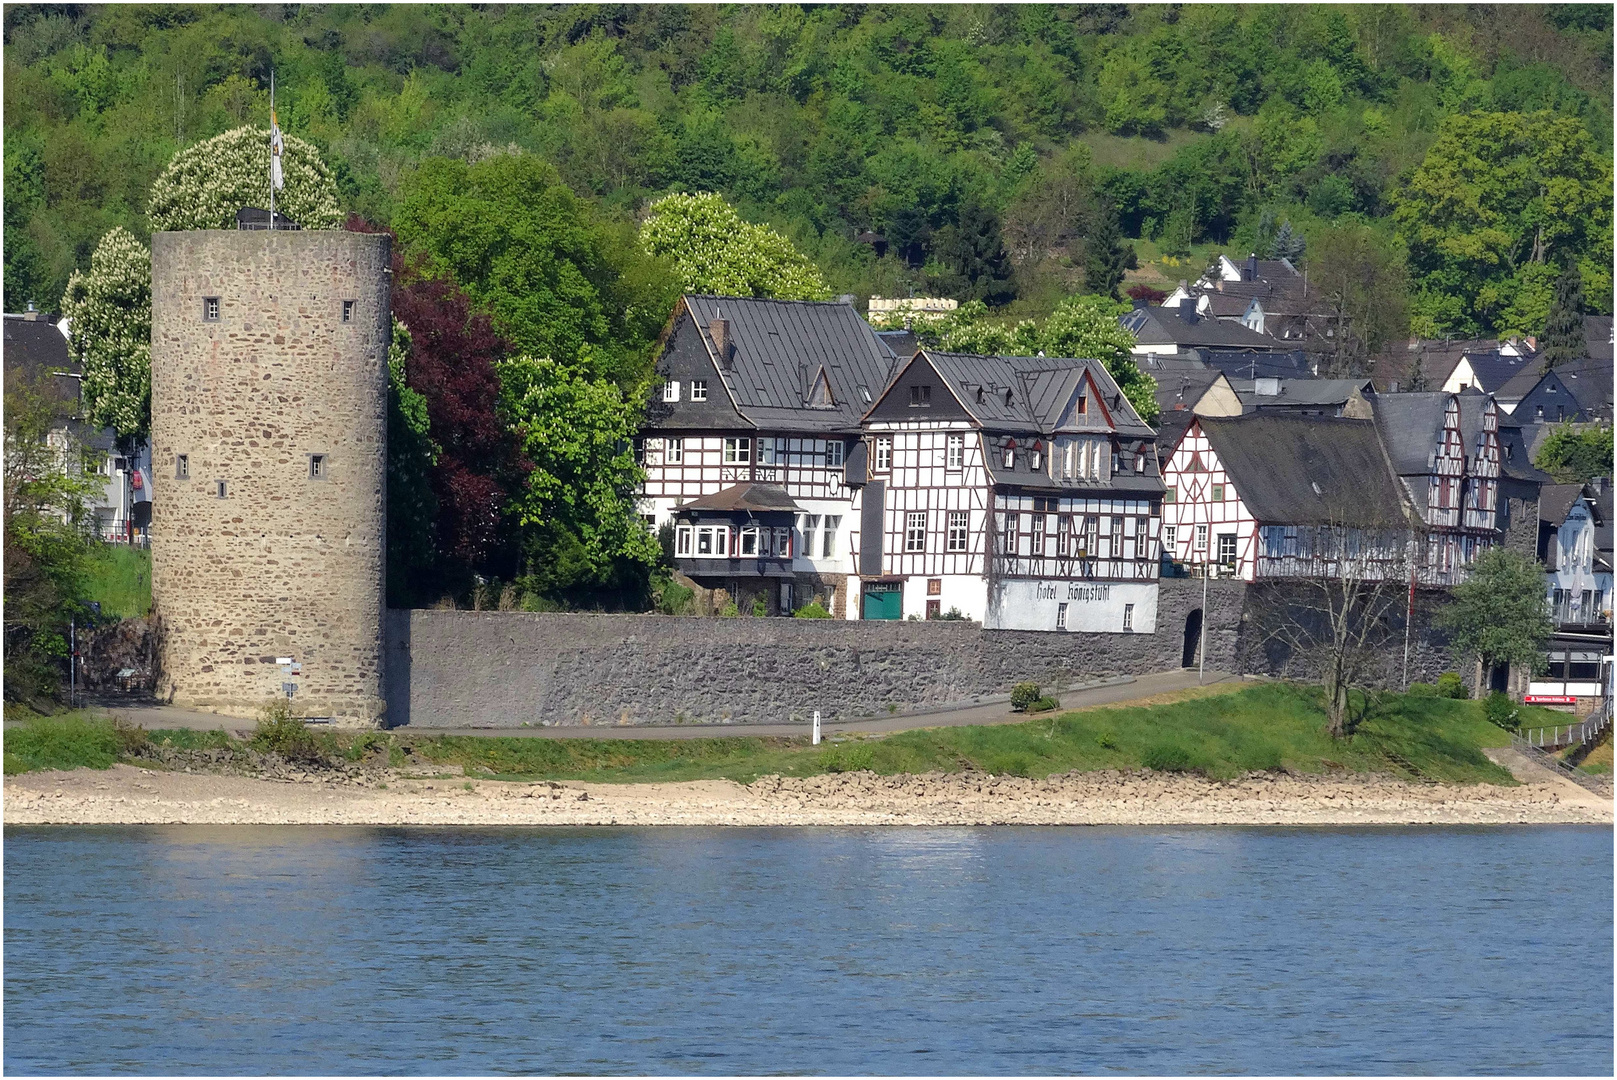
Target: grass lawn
[121,579]
[1267,726]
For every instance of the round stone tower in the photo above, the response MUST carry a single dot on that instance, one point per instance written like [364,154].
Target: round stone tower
[269,464]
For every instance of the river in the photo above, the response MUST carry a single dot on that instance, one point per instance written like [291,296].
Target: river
[899,951]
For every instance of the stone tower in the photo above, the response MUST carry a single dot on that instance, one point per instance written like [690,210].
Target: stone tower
[269,464]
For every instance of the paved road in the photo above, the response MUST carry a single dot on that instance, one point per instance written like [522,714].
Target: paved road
[153,716]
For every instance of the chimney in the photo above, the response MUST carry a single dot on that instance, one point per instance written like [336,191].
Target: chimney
[32,314]
[1251,271]
[720,329]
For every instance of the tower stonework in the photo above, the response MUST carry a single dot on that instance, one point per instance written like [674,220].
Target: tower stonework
[269,464]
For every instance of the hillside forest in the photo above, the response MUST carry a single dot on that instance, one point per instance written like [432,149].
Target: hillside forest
[1450,163]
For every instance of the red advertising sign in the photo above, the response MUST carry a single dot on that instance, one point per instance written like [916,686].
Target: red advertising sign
[1550,699]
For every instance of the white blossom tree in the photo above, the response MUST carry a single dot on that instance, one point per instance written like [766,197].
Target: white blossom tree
[715,250]
[204,185]
[109,312]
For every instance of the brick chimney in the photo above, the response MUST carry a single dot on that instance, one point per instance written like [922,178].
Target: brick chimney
[722,344]
[1251,271]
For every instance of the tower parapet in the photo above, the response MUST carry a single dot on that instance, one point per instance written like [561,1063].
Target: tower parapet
[269,455]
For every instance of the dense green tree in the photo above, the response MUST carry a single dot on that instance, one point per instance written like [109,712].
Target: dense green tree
[109,313]
[1576,454]
[713,250]
[205,184]
[969,259]
[1105,256]
[1499,614]
[411,454]
[1564,339]
[1360,276]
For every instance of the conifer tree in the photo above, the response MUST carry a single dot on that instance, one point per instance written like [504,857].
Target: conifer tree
[1289,244]
[1563,330]
[1104,254]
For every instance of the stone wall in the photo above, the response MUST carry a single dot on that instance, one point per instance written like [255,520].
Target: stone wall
[287,563]
[507,669]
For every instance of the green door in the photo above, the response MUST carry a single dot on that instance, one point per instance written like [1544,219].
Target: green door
[884,602]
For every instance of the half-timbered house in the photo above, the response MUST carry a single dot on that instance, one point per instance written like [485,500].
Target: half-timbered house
[1021,491]
[1282,495]
[767,394]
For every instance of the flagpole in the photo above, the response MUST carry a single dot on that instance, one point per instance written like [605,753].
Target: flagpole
[272,149]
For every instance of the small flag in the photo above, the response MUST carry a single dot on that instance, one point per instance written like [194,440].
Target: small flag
[276,147]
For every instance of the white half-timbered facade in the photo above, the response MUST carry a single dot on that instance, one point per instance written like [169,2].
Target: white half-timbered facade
[1020,491]
[769,393]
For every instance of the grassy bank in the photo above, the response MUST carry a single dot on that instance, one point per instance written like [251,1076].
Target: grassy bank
[1264,727]
[120,578]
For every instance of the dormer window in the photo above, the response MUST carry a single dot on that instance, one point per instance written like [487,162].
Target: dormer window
[1010,454]
[920,397]
[1036,457]
[1083,404]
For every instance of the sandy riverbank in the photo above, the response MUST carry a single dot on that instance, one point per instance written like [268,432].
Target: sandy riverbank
[130,795]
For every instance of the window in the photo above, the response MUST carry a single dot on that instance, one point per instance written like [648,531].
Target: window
[956,453]
[219,489]
[1201,538]
[811,525]
[671,390]
[682,540]
[1091,536]
[884,454]
[915,531]
[783,543]
[698,389]
[675,453]
[747,544]
[317,466]
[1010,457]
[182,467]
[1035,460]
[934,586]
[828,545]
[920,397]
[1117,536]
[1170,496]
[1170,536]
[712,540]
[1061,616]
[958,524]
[1226,550]
[1218,492]
[1063,535]
[1036,540]
[347,311]
[1128,617]
[771,451]
[934,609]
[1274,541]
[210,309]
[737,451]
[834,451]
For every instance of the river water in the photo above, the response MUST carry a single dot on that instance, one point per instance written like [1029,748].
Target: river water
[898,951]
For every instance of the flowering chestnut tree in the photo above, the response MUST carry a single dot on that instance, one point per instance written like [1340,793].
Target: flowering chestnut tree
[204,185]
[714,250]
[109,312]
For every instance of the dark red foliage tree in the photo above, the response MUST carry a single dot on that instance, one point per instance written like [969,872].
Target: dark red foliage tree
[1145,292]
[480,466]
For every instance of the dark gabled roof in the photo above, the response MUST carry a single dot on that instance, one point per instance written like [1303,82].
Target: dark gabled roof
[1224,306]
[1307,469]
[1185,387]
[1555,500]
[34,350]
[1165,326]
[1590,382]
[754,497]
[901,343]
[1040,390]
[1493,369]
[780,347]
[1293,364]
[1597,335]
[1302,392]
[1438,359]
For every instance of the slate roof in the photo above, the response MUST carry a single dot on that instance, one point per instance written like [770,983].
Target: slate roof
[1555,500]
[1292,364]
[1040,389]
[1165,326]
[1307,470]
[33,350]
[751,496]
[1302,392]
[1225,306]
[901,343]
[1597,334]
[780,347]
[1494,369]
[1438,359]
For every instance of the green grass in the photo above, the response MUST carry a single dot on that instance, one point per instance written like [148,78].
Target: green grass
[1264,727]
[121,579]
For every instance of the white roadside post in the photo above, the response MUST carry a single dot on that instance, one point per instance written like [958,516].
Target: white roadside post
[816,727]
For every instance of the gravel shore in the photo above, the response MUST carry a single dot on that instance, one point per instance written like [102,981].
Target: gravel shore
[129,795]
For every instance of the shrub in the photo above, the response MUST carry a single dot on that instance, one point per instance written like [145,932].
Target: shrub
[1422,689]
[952,615]
[670,597]
[282,733]
[759,608]
[1449,685]
[1024,694]
[1501,711]
[812,610]
[840,759]
[1169,757]
[729,610]
[1106,741]
[1044,704]
[65,742]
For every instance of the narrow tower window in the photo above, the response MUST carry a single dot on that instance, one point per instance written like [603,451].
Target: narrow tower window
[210,309]
[317,466]
[219,488]
[348,311]
[182,467]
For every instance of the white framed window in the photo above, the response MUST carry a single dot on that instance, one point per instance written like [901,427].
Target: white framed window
[959,524]
[1201,538]
[884,454]
[771,451]
[698,389]
[811,525]
[737,451]
[828,546]
[1010,457]
[1063,534]
[675,452]
[671,390]
[1061,616]
[956,453]
[1128,616]
[915,531]
[682,541]
[1036,541]
[1035,460]
[704,541]
[210,309]
[833,453]
[747,542]
[1170,533]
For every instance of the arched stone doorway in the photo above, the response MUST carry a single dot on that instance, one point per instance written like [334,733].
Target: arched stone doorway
[1193,638]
